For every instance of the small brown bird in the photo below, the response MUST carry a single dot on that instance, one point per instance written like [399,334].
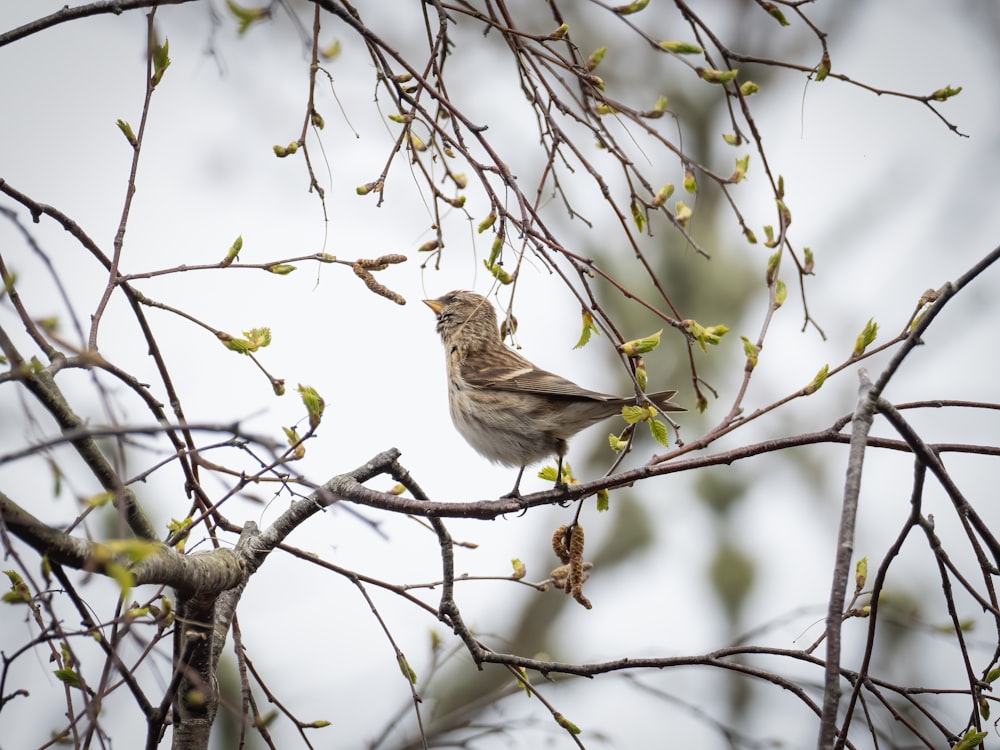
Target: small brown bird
[507,409]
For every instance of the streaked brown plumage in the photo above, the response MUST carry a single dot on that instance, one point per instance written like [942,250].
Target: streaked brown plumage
[508,410]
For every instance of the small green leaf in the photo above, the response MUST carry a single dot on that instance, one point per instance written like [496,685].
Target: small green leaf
[659,432]
[971,739]
[681,48]
[810,261]
[773,263]
[705,336]
[595,59]
[282,269]
[234,251]
[19,592]
[102,498]
[637,216]
[641,346]
[69,677]
[161,60]
[824,67]
[633,413]
[127,132]
[246,16]
[487,222]
[547,473]
[780,293]
[588,328]
[499,272]
[717,76]
[751,351]
[406,669]
[314,404]
[749,88]
[775,12]
[741,169]
[658,109]
[690,184]
[633,7]
[565,723]
[602,500]
[861,573]
[817,382]
[663,194]
[520,570]
[946,93]
[682,213]
[865,338]
[617,444]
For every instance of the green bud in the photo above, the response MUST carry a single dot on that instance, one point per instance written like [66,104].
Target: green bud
[749,88]
[865,338]
[683,213]
[663,195]
[633,7]
[595,59]
[716,76]
[641,346]
[817,382]
[681,48]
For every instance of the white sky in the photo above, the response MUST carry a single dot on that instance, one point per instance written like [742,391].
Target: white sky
[889,199]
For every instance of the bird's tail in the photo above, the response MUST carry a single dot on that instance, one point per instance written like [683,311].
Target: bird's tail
[663,402]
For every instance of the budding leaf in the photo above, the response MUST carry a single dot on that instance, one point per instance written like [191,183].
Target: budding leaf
[617,444]
[823,69]
[658,109]
[690,184]
[741,169]
[588,328]
[971,739]
[780,293]
[602,500]
[775,13]
[499,272]
[234,251]
[659,432]
[681,48]
[520,569]
[749,88]
[717,76]
[810,261]
[638,216]
[946,93]
[866,337]
[127,132]
[314,403]
[282,269]
[633,7]
[817,382]
[705,336]
[663,194]
[246,16]
[161,60]
[751,351]
[595,59]
[487,222]
[641,346]
[683,213]
[861,573]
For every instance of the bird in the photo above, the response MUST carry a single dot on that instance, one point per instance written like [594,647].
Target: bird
[507,409]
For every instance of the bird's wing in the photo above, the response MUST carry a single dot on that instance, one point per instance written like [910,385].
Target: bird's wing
[504,370]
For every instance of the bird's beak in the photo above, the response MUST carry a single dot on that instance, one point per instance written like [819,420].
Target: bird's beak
[434,304]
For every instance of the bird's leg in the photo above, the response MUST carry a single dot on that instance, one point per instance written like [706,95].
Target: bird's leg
[517,483]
